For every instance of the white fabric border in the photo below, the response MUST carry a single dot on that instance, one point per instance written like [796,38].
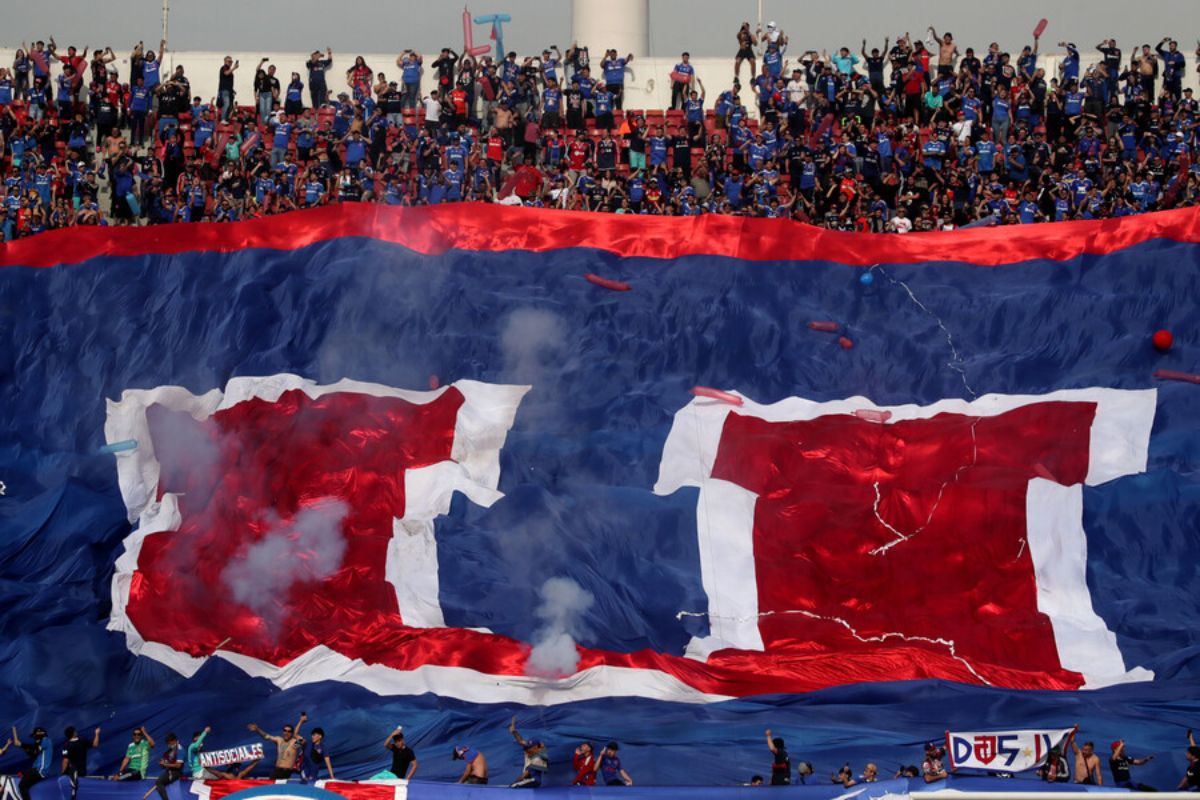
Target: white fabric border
[480,431]
[481,427]
[1058,545]
[1119,445]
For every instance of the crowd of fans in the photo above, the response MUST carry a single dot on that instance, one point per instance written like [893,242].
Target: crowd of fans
[916,135]
[311,760]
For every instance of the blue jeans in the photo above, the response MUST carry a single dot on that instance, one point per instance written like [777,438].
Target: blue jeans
[266,101]
[412,94]
[225,101]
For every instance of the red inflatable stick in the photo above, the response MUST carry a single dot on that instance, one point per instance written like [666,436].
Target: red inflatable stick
[717,394]
[249,142]
[824,325]
[616,286]
[871,415]
[1174,375]
[845,342]
[469,46]
[434,382]
[1041,28]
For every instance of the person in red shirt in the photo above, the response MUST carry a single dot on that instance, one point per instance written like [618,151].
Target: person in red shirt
[578,155]
[77,63]
[584,763]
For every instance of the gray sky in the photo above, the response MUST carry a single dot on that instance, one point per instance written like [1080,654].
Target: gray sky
[705,27]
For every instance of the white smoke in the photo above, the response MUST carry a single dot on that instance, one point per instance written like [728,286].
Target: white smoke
[563,604]
[531,340]
[308,547]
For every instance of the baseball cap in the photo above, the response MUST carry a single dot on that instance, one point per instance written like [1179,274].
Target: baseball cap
[39,731]
[1117,744]
[532,743]
[460,751]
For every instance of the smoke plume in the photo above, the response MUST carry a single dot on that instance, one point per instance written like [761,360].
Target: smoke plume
[563,604]
[308,547]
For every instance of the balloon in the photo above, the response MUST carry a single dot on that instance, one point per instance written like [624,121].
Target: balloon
[871,415]
[249,143]
[1041,27]
[866,279]
[845,342]
[469,46]
[1173,375]
[616,286]
[1162,340]
[823,325]
[118,447]
[717,394]
[497,21]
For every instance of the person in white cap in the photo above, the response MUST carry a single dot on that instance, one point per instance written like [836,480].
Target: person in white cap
[773,35]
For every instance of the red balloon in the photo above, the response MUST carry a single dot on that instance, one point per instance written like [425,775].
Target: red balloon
[1162,340]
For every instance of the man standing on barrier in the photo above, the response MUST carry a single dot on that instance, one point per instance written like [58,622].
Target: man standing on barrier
[289,747]
[74,756]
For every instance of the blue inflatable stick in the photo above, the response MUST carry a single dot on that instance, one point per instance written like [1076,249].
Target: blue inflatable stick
[497,21]
[118,447]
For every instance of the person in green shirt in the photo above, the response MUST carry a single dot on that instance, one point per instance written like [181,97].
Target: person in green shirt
[137,756]
[193,753]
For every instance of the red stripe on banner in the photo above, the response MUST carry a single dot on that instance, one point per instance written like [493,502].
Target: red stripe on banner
[490,227]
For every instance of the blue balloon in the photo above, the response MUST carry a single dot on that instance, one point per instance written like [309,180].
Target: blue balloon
[866,279]
[118,447]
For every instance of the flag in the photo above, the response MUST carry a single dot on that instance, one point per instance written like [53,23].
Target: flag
[1005,751]
[425,467]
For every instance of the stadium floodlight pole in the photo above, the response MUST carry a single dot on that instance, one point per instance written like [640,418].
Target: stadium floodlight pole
[166,12]
[623,25]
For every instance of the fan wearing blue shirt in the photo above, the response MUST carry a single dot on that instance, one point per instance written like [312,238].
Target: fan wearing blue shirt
[551,104]
[41,751]
[1174,65]
[550,62]
[613,67]
[409,63]
[602,101]
[681,79]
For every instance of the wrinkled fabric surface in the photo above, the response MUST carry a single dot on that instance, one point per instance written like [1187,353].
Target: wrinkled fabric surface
[609,372]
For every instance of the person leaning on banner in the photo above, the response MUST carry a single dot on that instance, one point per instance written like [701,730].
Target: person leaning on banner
[195,768]
[536,763]
[476,771]
[74,756]
[318,758]
[781,764]
[609,767]
[137,756]
[1087,764]
[404,760]
[40,751]
[1055,770]
[1119,765]
[201,772]
[289,747]
[584,764]
[1191,778]
[932,768]
[171,762]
